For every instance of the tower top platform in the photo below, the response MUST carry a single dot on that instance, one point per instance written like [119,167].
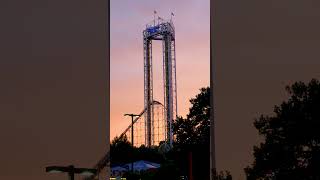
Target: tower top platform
[156,29]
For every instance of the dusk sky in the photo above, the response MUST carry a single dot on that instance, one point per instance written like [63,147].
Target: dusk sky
[128,20]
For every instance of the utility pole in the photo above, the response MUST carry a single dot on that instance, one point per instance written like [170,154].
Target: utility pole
[132,116]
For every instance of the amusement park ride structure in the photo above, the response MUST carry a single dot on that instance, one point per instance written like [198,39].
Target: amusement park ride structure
[157,127]
[154,123]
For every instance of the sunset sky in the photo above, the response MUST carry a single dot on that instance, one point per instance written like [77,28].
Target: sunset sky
[127,21]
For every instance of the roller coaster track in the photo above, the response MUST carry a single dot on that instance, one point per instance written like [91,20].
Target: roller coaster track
[137,118]
[106,158]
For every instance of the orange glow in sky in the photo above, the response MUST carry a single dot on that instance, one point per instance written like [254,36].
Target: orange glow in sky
[128,19]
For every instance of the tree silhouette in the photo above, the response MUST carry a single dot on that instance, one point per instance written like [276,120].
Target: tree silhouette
[291,147]
[192,135]
[120,151]
[195,129]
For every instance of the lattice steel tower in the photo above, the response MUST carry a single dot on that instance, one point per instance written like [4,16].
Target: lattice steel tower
[162,30]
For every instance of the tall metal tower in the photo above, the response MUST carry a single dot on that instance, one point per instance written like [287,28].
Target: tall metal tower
[162,30]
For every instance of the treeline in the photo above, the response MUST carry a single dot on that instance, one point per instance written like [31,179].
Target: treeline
[290,149]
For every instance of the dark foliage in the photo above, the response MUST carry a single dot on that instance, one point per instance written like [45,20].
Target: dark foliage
[291,147]
[120,151]
[192,135]
[195,129]
[149,154]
